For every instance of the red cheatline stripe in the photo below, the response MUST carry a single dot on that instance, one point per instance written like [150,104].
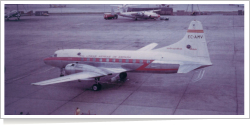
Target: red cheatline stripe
[195,31]
[98,59]
[156,69]
[143,68]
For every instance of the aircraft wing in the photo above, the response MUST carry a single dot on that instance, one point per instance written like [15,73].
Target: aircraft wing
[148,47]
[93,72]
[155,10]
[72,77]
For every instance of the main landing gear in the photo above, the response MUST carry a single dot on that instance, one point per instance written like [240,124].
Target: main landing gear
[97,86]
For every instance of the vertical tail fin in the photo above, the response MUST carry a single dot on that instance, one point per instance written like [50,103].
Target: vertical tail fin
[112,11]
[193,44]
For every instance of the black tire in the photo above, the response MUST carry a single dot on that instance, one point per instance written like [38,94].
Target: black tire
[123,76]
[95,87]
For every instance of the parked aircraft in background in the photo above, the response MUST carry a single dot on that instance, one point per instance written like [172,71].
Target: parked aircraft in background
[188,54]
[140,14]
[13,13]
[135,15]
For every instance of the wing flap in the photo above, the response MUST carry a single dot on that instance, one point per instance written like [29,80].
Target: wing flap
[72,77]
[148,47]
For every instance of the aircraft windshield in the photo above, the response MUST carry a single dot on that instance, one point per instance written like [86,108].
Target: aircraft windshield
[55,55]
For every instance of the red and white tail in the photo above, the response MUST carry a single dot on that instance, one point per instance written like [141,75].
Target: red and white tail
[193,44]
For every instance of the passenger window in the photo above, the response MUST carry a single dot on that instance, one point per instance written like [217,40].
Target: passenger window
[94,59]
[126,60]
[107,60]
[88,59]
[141,61]
[100,59]
[113,60]
[134,60]
[82,59]
[120,60]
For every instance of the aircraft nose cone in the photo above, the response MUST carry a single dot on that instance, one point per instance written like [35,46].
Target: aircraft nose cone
[46,60]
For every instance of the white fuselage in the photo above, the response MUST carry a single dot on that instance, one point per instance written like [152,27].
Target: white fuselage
[143,61]
[141,14]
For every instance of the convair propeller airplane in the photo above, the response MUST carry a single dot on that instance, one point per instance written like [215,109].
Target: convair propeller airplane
[141,14]
[188,54]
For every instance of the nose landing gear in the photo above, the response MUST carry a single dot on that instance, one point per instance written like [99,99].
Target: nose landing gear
[62,72]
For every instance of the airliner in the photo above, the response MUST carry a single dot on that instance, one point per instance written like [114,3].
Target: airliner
[190,53]
[136,15]
[13,13]
[141,14]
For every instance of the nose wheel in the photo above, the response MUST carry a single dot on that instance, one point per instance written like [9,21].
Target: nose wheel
[62,72]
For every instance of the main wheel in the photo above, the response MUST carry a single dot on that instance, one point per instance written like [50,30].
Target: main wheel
[95,87]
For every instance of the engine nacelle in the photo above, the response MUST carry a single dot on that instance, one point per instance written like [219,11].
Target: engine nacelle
[72,68]
[75,68]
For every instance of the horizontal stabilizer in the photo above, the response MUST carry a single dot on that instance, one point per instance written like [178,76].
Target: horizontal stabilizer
[187,68]
[148,47]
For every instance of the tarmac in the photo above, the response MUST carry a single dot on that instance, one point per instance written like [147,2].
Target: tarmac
[33,38]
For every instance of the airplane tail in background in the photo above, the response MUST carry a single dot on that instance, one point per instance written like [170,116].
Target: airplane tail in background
[192,44]
[112,11]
